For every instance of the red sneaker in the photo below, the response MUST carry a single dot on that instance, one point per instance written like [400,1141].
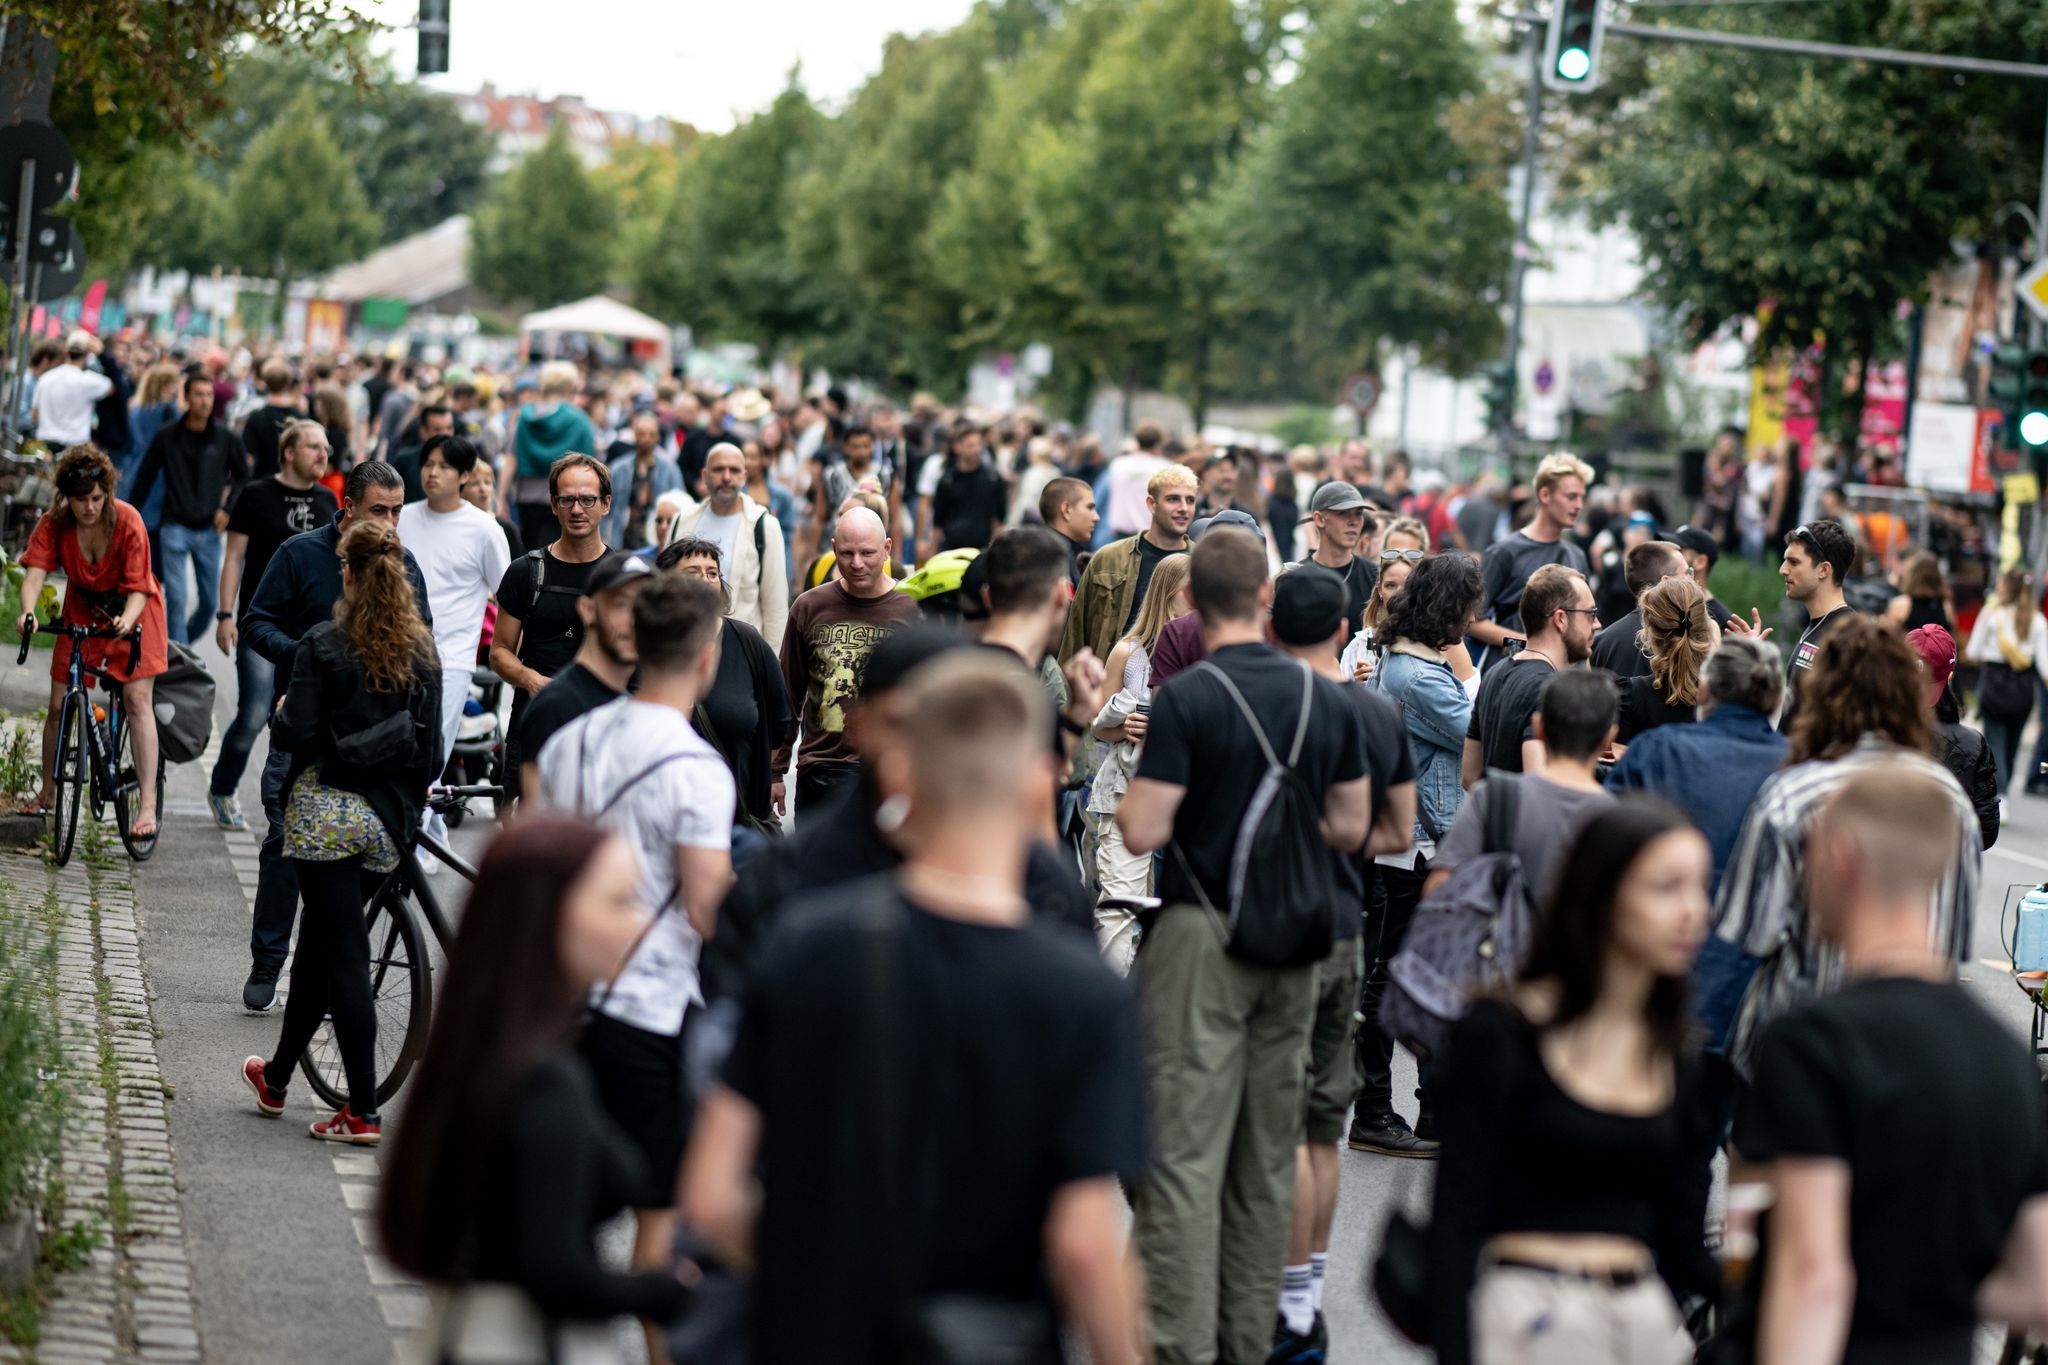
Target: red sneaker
[269,1102]
[346,1127]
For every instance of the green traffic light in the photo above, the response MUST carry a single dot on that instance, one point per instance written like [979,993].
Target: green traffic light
[1574,63]
[2034,428]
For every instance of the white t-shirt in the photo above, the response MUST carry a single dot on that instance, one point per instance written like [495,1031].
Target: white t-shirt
[682,798]
[462,555]
[721,531]
[65,397]
[1128,475]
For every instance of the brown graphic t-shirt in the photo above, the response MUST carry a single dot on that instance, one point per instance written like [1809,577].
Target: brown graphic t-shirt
[825,651]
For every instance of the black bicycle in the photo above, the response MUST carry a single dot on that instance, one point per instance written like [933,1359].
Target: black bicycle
[402,912]
[95,760]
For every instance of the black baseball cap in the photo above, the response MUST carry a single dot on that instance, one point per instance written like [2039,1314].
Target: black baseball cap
[1693,540]
[1308,605]
[901,652]
[616,570]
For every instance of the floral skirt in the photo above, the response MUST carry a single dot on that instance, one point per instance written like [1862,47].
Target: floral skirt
[323,824]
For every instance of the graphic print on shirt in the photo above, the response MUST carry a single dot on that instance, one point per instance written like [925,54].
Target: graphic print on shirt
[300,514]
[839,659]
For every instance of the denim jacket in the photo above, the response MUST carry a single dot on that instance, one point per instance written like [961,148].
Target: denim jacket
[1438,711]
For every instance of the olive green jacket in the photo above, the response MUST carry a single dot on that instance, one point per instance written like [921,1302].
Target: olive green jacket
[1102,601]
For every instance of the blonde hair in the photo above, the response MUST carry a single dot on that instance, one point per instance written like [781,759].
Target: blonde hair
[1169,576]
[1677,634]
[1555,469]
[1904,825]
[1173,476]
[1376,604]
[976,728]
[160,384]
[1407,526]
[559,379]
[295,431]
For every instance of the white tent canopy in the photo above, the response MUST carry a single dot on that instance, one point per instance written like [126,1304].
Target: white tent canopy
[598,314]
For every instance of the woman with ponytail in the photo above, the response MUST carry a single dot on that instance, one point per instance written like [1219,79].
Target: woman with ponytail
[362,720]
[1677,635]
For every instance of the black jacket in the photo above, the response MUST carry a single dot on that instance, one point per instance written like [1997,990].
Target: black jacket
[1968,755]
[328,696]
[201,470]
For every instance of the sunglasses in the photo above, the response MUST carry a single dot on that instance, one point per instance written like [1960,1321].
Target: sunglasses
[1412,556]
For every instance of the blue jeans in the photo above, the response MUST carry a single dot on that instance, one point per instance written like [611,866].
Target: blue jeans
[256,680]
[277,877]
[202,546]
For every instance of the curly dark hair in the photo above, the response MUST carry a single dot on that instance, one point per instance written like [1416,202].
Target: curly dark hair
[1866,680]
[1440,598]
[81,469]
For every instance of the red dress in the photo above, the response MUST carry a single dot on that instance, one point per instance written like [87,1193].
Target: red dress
[96,590]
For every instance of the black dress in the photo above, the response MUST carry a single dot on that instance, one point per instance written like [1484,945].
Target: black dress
[1928,611]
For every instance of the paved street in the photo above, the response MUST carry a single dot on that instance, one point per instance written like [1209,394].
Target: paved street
[278,1226]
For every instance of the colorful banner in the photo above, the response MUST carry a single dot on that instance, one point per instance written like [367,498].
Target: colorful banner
[326,325]
[95,301]
[1884,406]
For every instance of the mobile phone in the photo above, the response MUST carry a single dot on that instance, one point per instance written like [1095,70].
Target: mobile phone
[1513,646]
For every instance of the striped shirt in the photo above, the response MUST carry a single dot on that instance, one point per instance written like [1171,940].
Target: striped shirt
[1762,905]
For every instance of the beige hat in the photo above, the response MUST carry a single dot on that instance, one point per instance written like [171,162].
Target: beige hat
[81,342]
[749,405]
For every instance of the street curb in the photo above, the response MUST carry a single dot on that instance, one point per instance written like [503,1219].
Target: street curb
[20,831]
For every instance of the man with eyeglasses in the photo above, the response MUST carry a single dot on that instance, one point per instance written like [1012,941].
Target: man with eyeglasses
[1817,558]
[1343,520]
[539,627]
[1557,610]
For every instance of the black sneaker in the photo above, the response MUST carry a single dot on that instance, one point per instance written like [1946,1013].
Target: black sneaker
[259,992]
[1292,1349]
[1390,1136]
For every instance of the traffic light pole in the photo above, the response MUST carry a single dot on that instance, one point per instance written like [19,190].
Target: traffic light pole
[1519,269]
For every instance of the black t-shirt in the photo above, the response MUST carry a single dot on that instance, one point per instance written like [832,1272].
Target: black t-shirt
[573,691]
[1615,648]
[748,684]
[1803,658]
[1200,741]
[270,514]
[1149,557]
[260,436]
[1359,578]
[1506,567]
[1643,707]
[550,630]
[1018,1071]
[1389,764]
[966,507]
[1508,698]
[1936,1107]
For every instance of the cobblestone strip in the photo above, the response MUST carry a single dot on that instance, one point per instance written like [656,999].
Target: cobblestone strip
[132,1300]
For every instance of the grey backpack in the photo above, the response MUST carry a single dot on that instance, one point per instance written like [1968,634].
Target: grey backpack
[183,703]
[1468,937]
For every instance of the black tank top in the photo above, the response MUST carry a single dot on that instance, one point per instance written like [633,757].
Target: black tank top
[1927,611]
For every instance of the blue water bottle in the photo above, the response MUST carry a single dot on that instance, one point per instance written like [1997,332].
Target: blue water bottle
[2030,939]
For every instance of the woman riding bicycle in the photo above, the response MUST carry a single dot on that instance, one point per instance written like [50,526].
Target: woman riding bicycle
[361,717]
[103,549]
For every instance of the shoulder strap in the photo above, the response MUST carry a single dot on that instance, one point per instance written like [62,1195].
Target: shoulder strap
[1308,693]
[636,779]
[761,548]
[540,566]
[1258,730]
[1503,810]
[881,924]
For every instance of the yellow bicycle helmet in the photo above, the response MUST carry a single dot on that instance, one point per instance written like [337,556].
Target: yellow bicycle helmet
[940,574]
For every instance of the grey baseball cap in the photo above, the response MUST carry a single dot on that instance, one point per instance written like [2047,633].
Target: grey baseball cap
[1336,496]
[1229,516]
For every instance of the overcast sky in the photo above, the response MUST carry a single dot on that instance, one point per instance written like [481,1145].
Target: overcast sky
[701,63]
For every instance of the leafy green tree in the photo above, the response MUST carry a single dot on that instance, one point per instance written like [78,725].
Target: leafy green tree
[720,259]
[640,178]
[1828,189]
[546,233]
[295,207]
[1356,212]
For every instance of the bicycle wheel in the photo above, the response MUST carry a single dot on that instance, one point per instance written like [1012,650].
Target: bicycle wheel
[401,996]
[125,792]
[70,779]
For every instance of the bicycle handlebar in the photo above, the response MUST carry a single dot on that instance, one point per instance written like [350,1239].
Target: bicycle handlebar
[444,799]
[133,635]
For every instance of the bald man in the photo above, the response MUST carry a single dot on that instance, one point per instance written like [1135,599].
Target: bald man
[749,542]
[825,647]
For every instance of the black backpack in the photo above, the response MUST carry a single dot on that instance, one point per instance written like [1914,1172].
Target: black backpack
[1279,864]
[1469,936]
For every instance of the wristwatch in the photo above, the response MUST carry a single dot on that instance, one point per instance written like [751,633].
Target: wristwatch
[223,616]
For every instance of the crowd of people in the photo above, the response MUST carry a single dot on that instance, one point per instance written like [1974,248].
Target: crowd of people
[968,882]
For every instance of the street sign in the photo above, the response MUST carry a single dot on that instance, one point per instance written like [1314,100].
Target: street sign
[1362,392]
[2033,287]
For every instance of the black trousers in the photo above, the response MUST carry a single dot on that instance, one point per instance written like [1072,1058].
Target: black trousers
[331,976]
[1391,902]
[817,781]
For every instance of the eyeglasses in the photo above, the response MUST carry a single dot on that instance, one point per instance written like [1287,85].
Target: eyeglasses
[1412,556]
[1581,611]
[586,501]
